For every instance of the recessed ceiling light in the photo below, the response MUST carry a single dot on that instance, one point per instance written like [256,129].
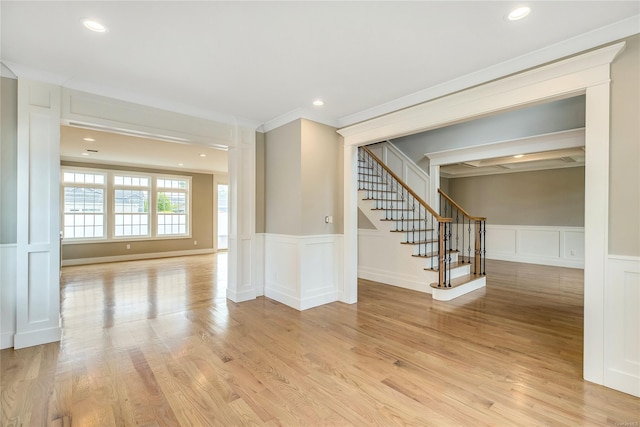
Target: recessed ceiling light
[93,25]
[203,155]
[180,164]
[318,102]
[85,154]
[518,156]
[519,13]
[89,139]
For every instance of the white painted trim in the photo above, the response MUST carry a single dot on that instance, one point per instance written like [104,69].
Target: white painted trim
[622,340]
[37,337]
[533,236]
[303,271]
[88,110]
[559,79]
[258,265]
[134,257]
[38,206]
[532,144]
[447,294]
[7,294]
[588,73]
[394,278]
[598,37]
[298,113]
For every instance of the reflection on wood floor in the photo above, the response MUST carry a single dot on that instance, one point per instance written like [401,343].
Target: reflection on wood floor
[157,343]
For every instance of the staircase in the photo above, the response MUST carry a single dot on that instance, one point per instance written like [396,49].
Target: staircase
[441,243]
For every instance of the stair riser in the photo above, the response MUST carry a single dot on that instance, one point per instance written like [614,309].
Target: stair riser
[419,236]
[400,216]
[373,187]
[425,248]
[428,260]
[390,203]
[459,271]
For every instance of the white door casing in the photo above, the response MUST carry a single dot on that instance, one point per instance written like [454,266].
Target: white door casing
[587,74]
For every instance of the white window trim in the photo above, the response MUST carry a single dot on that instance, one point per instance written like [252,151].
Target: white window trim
[109,212]
[105,205]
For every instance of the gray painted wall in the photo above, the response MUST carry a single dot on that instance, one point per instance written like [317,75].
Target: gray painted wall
[539,119]
[303,179]
[321,179]
[548,198]
[283,187]
[202,217]
[8,159]
[624,174]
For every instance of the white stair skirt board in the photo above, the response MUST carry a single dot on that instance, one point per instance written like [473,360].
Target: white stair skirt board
[383,258]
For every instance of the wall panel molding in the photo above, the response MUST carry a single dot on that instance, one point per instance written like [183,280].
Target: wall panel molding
[545,245]
[622,349]
[303,271]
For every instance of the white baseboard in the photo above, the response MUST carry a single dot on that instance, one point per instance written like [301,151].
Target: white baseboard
[42,336]
[8,254]
[134,257]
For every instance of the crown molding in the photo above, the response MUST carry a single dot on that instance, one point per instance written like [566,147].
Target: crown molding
[298,113]
[598,37]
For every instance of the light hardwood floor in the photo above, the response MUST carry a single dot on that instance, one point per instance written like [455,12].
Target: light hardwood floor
[154,343]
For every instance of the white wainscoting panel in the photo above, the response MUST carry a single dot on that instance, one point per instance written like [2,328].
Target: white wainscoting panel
[303,271]
[622,324]
[7,294]
[383,259]
[258,264]
[545,245]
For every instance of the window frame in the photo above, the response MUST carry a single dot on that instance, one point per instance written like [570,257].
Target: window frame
[109,204]
[105,204]
[186,191]
[113,213]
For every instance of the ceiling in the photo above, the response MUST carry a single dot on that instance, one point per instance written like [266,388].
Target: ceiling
[263,63]
[119,149]
[556,159]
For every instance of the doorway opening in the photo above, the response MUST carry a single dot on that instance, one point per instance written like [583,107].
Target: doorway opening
[223,217]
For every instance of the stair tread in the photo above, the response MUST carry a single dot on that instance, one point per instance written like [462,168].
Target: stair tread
[431,254]
[459,281]
[419,242]
[453,265]
[380,191]
[413,231]
[401,220]
[392,209]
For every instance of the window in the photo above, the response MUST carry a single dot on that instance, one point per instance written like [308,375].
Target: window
[172,206]
[131,205]
[84,205]
[109,205]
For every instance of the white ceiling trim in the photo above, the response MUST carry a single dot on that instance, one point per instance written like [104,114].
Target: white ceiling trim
[598,37]
[298,113]
[551,141]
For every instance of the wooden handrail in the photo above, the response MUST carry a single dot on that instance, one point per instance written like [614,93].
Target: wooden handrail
[397,178]
[465,213]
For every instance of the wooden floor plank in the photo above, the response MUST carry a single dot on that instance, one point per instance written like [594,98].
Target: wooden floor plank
[157,343]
